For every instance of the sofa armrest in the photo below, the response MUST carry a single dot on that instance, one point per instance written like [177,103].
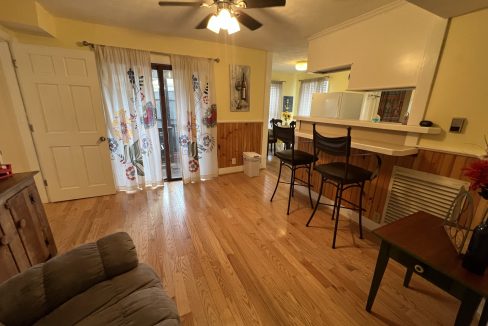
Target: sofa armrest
[118,254]
[28,296]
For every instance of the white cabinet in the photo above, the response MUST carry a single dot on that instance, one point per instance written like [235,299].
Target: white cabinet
[387,49]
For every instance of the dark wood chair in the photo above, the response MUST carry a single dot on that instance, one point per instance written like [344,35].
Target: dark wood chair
[271,139]
[342,175]
[292,159]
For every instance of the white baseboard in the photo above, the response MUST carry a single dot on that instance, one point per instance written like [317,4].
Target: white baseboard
[350,214]
[231,169]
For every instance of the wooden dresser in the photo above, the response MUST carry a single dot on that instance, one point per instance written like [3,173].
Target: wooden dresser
[25,235]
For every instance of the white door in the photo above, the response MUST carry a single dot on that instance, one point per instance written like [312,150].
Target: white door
[64,107]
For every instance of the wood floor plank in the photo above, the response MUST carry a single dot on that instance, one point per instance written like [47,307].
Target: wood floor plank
[228,256]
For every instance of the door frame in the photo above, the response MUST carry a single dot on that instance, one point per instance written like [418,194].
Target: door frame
[159,67]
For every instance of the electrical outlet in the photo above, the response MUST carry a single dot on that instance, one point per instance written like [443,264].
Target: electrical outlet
[234,161]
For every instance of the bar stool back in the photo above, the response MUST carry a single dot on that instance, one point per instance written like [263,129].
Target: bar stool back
[342,175]
[292,159]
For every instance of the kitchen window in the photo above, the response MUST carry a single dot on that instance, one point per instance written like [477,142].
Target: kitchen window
[307,88]
[275,100]
[393,105]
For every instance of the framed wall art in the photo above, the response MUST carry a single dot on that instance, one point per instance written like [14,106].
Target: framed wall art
[287,103]
[240,88]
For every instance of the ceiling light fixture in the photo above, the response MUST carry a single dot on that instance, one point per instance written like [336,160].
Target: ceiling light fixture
[301,66]
[223,20]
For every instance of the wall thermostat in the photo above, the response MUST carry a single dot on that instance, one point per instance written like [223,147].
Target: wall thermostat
[457,125]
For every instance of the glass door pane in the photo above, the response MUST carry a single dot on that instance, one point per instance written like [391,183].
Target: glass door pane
[174,148]
[157,98]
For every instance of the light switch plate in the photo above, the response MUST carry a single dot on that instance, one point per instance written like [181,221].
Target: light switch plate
[457,125]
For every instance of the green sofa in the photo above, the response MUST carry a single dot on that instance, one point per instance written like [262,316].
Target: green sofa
[99,283]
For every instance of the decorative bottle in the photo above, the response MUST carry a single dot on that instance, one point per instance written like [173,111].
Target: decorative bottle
[476,258]
[243,87]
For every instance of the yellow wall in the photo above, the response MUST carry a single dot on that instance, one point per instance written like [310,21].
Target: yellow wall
[69,32]
[289,86]
[27,15]
[461,86]
[338,82]
[22,12]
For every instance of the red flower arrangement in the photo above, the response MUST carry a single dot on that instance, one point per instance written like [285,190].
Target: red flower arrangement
[477,172]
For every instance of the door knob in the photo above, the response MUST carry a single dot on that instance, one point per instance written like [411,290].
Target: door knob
[101,140]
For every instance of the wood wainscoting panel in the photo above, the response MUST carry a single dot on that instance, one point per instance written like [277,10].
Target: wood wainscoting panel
[443,164]
[234,138]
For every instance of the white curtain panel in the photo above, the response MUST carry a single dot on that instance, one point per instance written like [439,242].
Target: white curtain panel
[196,117]
[130,111]
[275,100]
[307,88]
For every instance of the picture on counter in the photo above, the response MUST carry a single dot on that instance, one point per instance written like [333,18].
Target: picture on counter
[239,88]
[287,103]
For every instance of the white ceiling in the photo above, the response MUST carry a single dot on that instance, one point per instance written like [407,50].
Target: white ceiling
[451,8]
[285,29]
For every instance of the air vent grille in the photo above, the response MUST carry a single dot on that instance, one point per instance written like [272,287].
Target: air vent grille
[411,191]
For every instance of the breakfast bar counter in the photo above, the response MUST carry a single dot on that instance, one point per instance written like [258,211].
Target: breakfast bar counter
[384,138]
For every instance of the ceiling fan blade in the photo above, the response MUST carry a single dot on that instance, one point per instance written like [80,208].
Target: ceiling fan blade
[264,3]
[180,3]
[248,21]
[203,24]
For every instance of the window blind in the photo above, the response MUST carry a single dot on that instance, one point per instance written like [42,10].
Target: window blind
[275,100]
[307,88]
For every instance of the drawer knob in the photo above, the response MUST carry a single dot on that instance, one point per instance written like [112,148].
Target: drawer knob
[4,240]
[419,269]
[22,223]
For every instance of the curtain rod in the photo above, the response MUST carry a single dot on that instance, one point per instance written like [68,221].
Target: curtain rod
[92,45]
[315,78]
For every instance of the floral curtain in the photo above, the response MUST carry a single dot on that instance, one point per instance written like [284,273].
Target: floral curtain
[125,76]
[196,116]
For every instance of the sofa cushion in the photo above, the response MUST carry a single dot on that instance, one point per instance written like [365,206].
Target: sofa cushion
[133,298]
[44,287]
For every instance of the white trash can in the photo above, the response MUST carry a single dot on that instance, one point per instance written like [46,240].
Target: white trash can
[252,163]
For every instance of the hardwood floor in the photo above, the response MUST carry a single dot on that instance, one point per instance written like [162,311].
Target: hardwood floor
[230,257]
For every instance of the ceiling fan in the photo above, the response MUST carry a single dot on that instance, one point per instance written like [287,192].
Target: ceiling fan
[228,13]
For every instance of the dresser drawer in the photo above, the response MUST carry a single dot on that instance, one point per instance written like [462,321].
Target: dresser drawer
[13,257]
[28,226]
[427,272]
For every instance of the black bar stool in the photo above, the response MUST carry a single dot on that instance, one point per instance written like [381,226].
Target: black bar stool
[292,159]
[342,175]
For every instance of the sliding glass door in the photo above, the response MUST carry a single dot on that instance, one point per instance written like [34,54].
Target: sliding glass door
[163,86]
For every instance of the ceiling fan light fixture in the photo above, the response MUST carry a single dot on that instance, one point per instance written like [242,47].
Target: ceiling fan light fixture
[214,24]
[301,66]
[225,18]
[233,26]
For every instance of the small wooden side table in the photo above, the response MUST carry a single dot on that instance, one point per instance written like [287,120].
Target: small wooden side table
[420,243]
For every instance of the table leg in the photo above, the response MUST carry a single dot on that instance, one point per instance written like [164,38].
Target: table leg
[408,277]
[469,305]
[379,270]
[484,315]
